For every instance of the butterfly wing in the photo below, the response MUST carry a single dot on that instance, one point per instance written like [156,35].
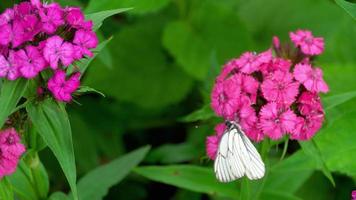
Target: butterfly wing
[237,157]
[228,166]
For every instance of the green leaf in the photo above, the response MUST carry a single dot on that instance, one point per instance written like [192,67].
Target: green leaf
[333,101]
[140,6]
[99,17]
[11,93]
[203,113]
[349,7]
[30,180]
[87,89]
[153,86]
[272,195]
[193,41]
[194,178]
[6,191]
[51,121]
[58,196]
[182,153]
[96,184]
[83,64]
[310,148]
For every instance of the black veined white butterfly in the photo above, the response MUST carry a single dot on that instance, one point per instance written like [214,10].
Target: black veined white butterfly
[237,157]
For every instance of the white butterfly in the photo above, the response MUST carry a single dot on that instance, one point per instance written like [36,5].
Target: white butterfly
[237,157]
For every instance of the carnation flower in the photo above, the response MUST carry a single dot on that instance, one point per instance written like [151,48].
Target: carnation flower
[51,17]
[61,88]
[10,151]
[250,62]
[84,40]
[7,67]
[312,79]
[309,44]
[225,98]
[280,88]
[307,127]
[275,120]
[56,50]
[212,142]
[29,61]
[5,34]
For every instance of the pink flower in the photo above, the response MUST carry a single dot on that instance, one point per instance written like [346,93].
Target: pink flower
[251,62]
[276,42]
[7,68]
[353,195]
[85,40]
[225,98]
[275,120]
[61,88]
[58,50]
[280,88]
[51,17]
[29,61]
[247,117]
[306,128]
[309,103]
[75,18]
[312,79]
[212,142]
[25,29]
[10,151]
[309,44]
[276,64]
[5,34]
[227,70]
[7,16]
[254,133]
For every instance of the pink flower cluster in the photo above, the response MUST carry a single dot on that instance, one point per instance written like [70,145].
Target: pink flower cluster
[272,93]
[10,151]
[36,36]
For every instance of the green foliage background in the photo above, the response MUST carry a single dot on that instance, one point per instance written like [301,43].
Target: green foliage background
[156,73]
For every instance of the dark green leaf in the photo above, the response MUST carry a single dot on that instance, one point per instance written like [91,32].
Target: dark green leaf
[140,6]
[203,113]
[11,93]
[96,184]
[99,17]
[194,178]
[87,89]
[182,153]
[51,122]
[348,7]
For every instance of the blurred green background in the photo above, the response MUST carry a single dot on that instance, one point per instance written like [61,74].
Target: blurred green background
[159,67]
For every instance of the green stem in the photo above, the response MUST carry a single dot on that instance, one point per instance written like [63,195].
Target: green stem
[285,148]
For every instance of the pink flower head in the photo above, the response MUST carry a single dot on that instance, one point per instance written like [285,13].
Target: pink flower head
[25,29]
[10,151]
[254,133]
[312,79]
[29,62]
[275,120]
[250,62]
[306,128]
[7,16]
[61,88]
[353,195]
[309,44]
[212,142]
[280,88]
[225,98]
[5,34]
[52,17]
[309,103]
[36,3]
[276,64]
[75,18]
[227,70]
[7,67]
[56,50]
[85,40]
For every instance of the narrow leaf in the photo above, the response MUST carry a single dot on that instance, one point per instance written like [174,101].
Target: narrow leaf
[335,100]
[99,17]
[350,8]
[87,89]
[58,196]
[202,114]
[51,122]
[310,148]
[194,178]
[96,184]
[11,93]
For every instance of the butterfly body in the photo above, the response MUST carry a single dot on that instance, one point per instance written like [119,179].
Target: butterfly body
[236,156]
